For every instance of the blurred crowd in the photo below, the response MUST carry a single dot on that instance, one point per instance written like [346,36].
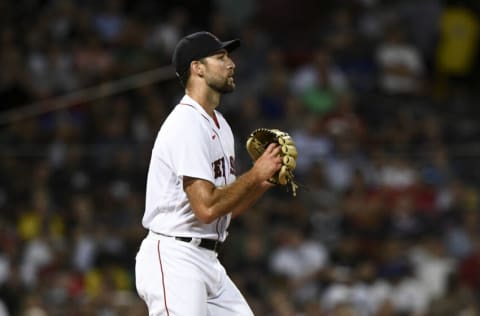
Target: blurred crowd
[380,96]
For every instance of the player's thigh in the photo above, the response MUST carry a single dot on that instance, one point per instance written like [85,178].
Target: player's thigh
[229,302]
[162,286]
[181,297]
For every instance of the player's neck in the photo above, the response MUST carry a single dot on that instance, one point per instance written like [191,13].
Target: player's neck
[208,99]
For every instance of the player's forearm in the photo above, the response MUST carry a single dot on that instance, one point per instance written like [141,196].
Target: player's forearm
[237,196]
[210,202]
[251,199]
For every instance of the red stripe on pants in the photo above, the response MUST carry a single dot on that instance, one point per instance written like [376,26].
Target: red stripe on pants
[163,278]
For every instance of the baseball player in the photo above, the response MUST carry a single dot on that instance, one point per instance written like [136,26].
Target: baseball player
[193,191]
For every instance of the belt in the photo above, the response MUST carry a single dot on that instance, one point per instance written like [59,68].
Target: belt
[209,244]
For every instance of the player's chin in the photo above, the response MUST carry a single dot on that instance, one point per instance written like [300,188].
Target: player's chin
[224,86]
[228,87]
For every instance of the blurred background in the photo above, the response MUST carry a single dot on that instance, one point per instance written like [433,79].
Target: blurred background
[381,98]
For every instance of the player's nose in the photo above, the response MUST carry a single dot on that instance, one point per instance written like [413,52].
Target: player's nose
[230,64]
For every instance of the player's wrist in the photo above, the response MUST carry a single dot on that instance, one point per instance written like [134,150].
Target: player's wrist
[255,176]
[265,185]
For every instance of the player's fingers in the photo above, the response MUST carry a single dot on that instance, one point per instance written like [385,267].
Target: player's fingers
[278,162]
[276,150]
[271,147]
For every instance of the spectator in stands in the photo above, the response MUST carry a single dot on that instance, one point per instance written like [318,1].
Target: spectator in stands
[400,64]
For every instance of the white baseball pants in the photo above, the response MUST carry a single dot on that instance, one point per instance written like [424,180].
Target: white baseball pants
[176,278]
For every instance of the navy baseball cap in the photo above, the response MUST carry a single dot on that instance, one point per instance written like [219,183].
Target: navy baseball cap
[196,46]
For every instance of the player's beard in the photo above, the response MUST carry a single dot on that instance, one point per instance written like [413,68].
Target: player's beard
[221,85]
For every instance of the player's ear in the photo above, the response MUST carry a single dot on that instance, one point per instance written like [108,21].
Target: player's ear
[197,68]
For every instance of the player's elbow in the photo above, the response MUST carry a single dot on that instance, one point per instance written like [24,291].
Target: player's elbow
[206,215]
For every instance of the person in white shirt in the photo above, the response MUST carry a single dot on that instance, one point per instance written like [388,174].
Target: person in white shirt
[193,191]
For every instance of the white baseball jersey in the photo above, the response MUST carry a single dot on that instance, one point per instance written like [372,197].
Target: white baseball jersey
[173,277]
[189,143]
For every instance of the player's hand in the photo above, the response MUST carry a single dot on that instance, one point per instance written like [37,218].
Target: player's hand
[268,163]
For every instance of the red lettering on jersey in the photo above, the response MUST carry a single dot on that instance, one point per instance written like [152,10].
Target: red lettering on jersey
[232,166]
[219,168]
[223,166]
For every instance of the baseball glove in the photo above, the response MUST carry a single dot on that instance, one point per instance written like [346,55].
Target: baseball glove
[259,140]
